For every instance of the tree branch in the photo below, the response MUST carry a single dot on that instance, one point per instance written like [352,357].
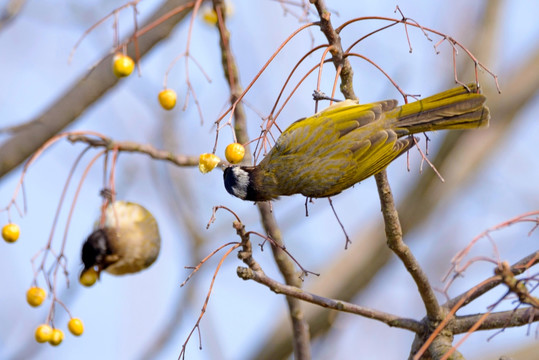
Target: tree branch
[338,58]
[279,288]
[390,214]
[498,320]
[300,327]
[394,241]
[135,147]
[82,95]
[459,157]
[517,268]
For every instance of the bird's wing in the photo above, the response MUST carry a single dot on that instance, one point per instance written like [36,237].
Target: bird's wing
[332,150]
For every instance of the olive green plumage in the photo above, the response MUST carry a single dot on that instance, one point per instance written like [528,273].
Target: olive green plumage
[127,242]
[326,153]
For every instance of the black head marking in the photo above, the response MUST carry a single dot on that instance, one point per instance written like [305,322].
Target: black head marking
[95,249]
[237,181]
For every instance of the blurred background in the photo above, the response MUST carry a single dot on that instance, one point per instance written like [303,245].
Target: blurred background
[491,176]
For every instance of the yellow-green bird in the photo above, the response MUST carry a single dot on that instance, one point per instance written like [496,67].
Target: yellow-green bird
[127,242]
[326,153]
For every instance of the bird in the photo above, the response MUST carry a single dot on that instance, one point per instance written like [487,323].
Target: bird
[334,149]
[127,242]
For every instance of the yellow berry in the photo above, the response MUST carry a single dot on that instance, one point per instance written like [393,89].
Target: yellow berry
[56,337]
[234,153]
[167,99]
[35,296]
[122,65]
[43,333]
[88,277]
[207,162]
[210,16]
[11,232]
[75,326]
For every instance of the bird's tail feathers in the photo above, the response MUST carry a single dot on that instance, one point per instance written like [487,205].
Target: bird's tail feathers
[458,108]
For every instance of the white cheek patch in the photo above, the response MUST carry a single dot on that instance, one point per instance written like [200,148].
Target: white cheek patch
[242,182]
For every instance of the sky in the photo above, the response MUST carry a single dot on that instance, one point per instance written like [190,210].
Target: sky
[124,315]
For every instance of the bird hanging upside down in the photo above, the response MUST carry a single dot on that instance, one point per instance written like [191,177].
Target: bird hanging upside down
[128,242]
[326,153]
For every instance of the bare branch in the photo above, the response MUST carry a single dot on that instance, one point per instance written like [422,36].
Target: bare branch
[395,243]
[286,266]
[81,95]
[518,268]
[300,326]
[279,288]
[497,320]
[131,146]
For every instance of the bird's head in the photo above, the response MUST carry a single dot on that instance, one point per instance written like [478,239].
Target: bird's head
[238,181]
[95,250]
[249,183]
